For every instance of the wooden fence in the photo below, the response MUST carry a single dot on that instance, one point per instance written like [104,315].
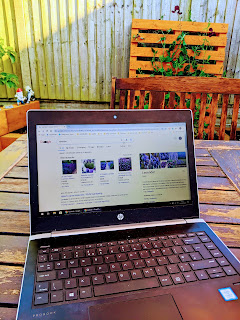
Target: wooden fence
[68,50]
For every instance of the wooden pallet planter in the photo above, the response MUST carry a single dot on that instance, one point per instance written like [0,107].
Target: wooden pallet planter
[14,119]
[142,43]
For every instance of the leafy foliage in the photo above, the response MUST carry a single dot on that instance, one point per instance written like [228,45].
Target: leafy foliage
[8,79]
[180,59]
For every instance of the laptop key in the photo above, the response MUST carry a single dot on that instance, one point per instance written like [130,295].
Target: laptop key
[162,260]
[85,293]
[201,275]
[77,272]
[185,257]
[63,274]
[192,240]
[165,280]
[111,277]
[54,256]
[89,270]
[125,286]
[127,265]
[60,265]
[184,267]
[190,276]
[98,279]
[56,285]
[46,276]
[123,276]
[71,283]
[217,275]
[177,278]
[167,252]
[222,262]
[136,274]
[214,270]
[45,266]
[71,294]
[84,282]
[40,298]
[151,262]
[204,239]
[41,287]
[173,268]
[216,253]
[229,271]
[203,264]
[148,272]
[57,296]
[102,269]
[210,246]
[195,256]
[42,258]
[160,271]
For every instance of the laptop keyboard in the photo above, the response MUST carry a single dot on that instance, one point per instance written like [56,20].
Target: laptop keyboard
[75,273]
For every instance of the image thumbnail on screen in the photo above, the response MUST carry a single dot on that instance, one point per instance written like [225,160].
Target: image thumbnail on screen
[88,166]
[107,165]
[69,166]
[125,164]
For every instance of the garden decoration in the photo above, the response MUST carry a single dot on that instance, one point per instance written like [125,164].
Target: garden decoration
[30,94]
[20,98]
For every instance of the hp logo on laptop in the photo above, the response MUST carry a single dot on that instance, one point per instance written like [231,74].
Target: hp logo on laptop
[120,216]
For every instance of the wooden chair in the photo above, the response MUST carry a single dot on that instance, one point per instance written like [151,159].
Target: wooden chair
[201,95]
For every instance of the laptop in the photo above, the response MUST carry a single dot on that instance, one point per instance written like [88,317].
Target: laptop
[115,227]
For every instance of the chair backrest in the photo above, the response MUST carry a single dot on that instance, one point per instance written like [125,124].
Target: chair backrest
[202,95]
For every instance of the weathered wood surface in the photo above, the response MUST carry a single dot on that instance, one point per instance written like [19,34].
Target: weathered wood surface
[229,161]
[14,201]
[18,172]
[8,313]
[203,171]
[10,283]
[219,206]
[14,185]
[11,155]
[13,249]
[8,222]
[213,183]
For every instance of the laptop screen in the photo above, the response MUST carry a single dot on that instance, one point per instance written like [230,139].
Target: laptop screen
[99,167]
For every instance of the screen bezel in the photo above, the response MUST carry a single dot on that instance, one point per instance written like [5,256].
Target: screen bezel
[106,218]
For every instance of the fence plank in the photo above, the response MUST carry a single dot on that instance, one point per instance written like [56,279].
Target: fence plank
[36,12]
[48,49]
[28,17]
[73,38]
[83,49]
[56,38]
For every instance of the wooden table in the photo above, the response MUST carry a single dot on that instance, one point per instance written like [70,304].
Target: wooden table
[218,169]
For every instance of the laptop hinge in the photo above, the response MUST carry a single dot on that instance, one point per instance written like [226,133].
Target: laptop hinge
[194,220]
[117,227]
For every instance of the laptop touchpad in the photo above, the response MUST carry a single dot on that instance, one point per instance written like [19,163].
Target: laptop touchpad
[153,308]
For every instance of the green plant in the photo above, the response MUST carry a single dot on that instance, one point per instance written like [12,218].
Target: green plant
[9,79]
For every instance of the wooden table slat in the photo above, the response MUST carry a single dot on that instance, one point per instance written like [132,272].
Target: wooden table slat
[220,214]
[13,249]
[229,161]
[14,185]
[18,172]
[229,234]
[202,153]
[8,313]
[14,201]
[205,161]
[213,183]
[207,171]
[219,197]
[8,222]
[10,283]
